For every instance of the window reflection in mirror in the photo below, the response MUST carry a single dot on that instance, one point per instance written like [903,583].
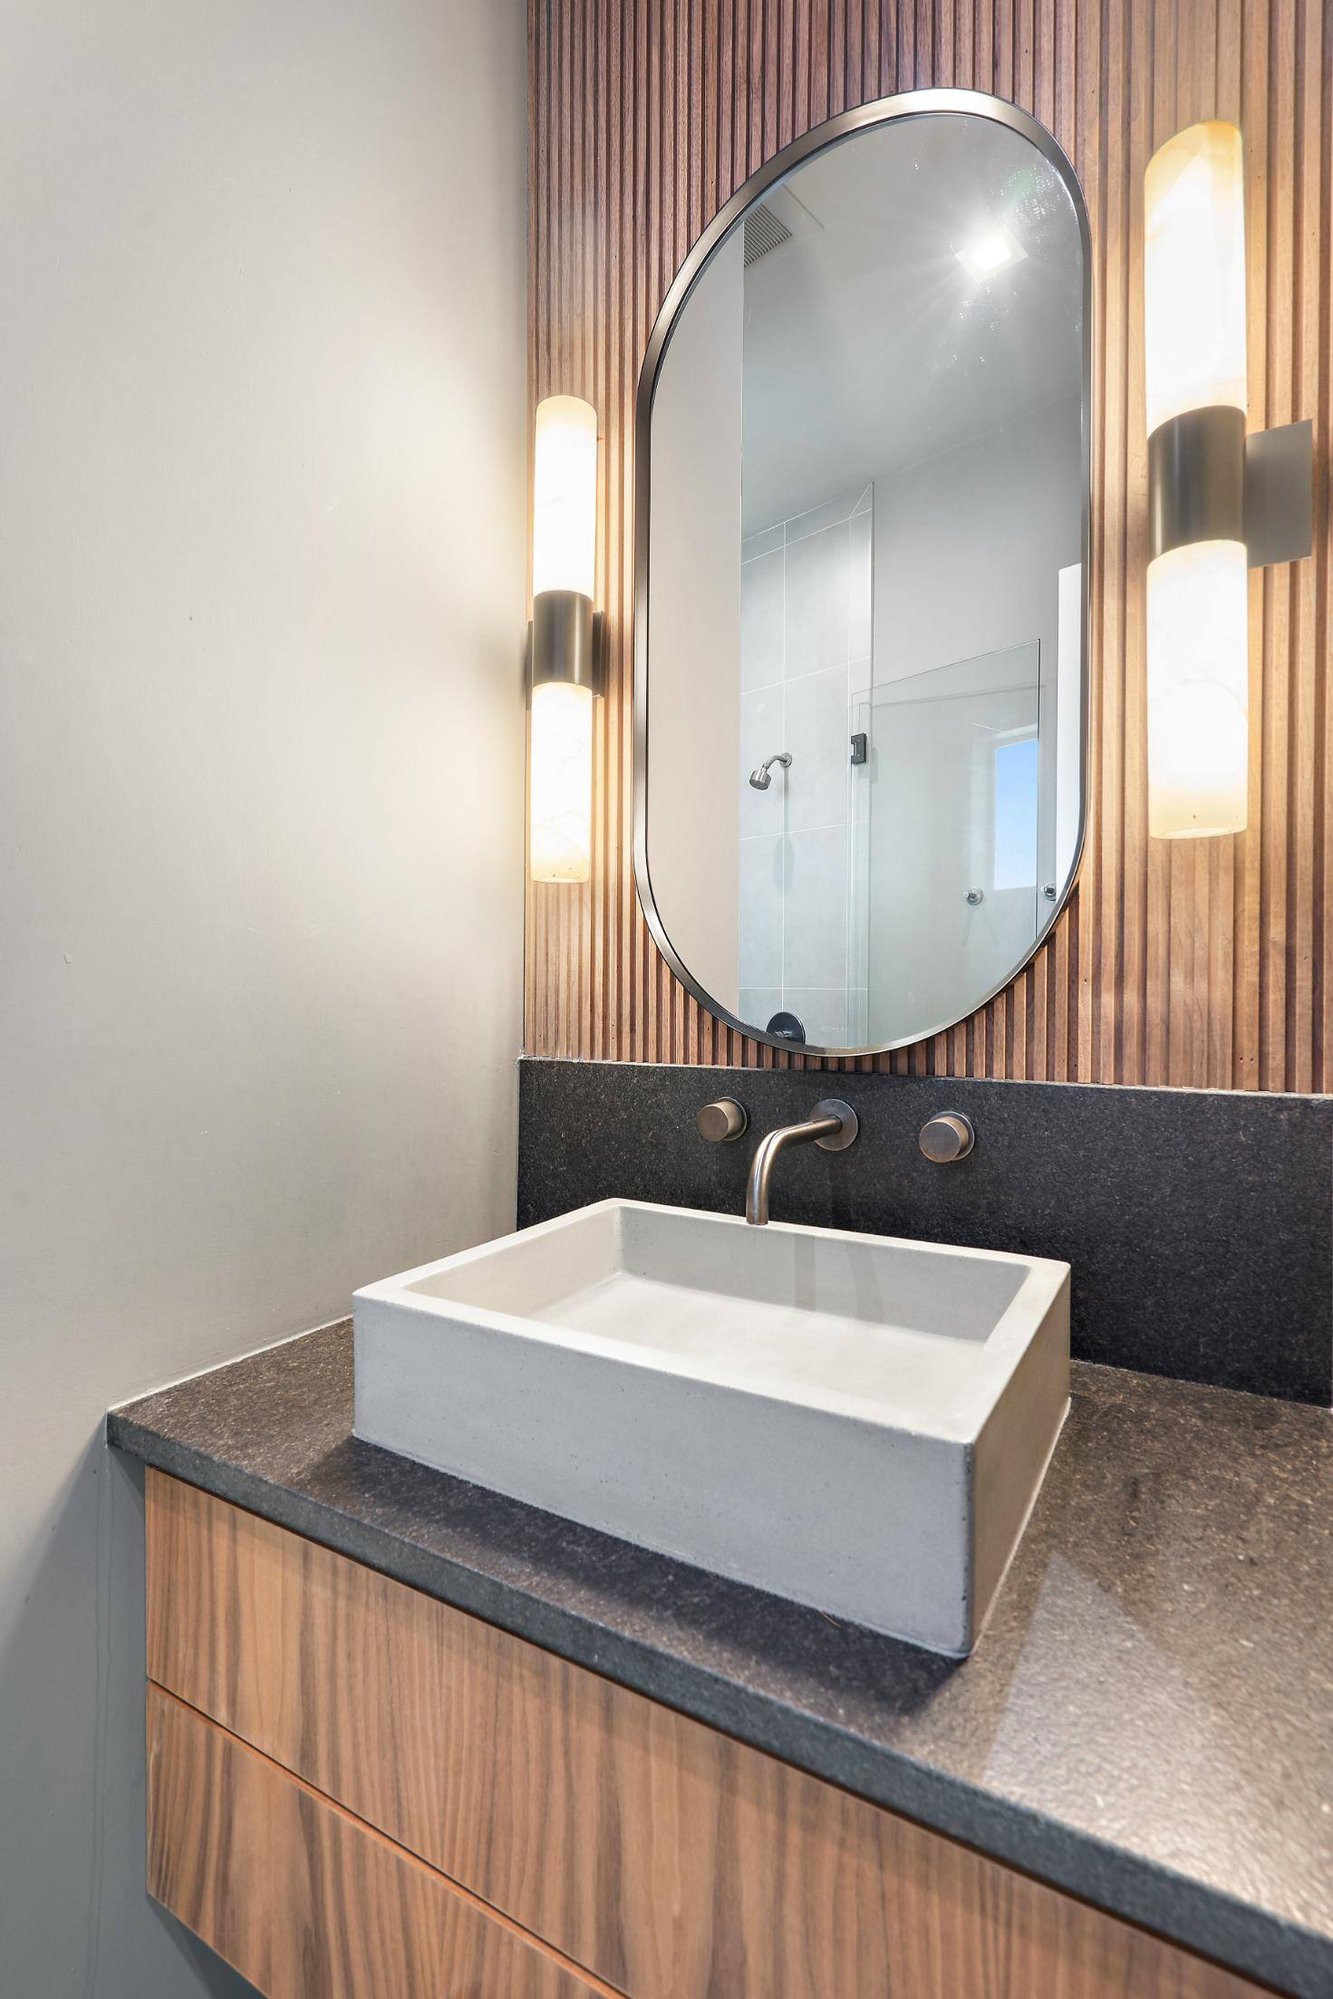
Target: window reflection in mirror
[862,612]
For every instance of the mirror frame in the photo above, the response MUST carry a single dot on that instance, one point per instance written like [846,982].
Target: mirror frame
[833,131]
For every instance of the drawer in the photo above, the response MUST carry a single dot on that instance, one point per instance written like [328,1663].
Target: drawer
[303,1900]
[667,1859]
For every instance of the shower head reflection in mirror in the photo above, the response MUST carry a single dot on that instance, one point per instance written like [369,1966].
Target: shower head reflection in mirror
[762,778]
[862,465]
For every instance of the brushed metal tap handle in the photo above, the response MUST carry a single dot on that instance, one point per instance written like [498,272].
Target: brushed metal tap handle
[722,1121]
[947,1138]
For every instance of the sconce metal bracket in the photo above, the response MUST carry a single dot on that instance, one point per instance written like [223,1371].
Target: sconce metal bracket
[566,641]
[1196,478]
[1279,494]
[1208,481]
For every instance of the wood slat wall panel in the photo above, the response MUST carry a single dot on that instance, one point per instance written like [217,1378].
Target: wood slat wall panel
[1186,963]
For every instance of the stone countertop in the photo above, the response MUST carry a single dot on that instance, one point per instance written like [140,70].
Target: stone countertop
[1146,1721]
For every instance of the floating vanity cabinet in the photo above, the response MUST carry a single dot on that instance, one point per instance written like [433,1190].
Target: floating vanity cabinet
[356,1792]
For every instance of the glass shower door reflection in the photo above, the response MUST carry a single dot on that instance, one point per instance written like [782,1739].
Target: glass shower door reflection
[948,823]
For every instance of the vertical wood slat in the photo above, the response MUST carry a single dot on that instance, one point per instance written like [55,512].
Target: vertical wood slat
[1200,963]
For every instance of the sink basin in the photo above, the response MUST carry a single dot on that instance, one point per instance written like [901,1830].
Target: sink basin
[855,1422]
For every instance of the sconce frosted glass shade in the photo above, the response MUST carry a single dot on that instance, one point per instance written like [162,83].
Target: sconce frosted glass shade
[1194,272]
[1198,690]
[564,496]
[560,783]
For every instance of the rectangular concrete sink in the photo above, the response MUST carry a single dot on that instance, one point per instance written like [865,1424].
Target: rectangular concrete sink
[855,1422]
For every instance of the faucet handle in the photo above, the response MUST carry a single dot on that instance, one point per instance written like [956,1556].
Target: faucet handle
[722,1121]
[947,1137]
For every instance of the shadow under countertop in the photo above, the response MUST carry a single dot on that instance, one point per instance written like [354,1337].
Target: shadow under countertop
[1146,1721]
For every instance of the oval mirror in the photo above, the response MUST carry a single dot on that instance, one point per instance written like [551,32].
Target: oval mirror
[861,559]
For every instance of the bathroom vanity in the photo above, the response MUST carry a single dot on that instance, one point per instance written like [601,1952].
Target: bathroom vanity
[686,1607]
[408,1736]
[346,1774]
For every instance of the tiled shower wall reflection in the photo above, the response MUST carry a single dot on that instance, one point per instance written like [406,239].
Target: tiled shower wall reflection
[805,656]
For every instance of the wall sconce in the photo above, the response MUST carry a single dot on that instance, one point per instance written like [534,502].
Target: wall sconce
[564,641]
[1220,502]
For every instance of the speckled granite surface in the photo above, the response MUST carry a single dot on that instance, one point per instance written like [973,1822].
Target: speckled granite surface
[1146,1721]
[1196,1222]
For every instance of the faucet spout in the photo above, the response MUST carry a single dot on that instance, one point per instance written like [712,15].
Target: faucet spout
[832,1126]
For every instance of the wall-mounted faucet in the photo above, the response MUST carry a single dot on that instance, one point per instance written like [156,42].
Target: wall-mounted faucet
[832,1126]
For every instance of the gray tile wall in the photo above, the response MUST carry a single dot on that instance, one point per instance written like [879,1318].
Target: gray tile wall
[805,651]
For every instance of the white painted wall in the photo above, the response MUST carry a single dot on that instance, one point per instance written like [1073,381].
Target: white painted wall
[262,521]
[969,545]
[695,565]
[969,548]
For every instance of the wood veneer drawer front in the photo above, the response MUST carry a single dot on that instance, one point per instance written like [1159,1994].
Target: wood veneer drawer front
[305,1902]
[671,1861]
